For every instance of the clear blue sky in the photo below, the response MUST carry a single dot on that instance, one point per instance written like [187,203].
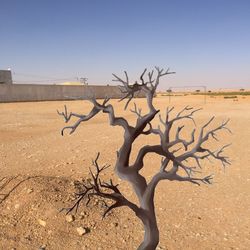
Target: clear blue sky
[205,42]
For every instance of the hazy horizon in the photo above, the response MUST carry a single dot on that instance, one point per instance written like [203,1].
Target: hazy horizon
[205,42]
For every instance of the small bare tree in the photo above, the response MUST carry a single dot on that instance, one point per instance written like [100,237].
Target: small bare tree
[175,164]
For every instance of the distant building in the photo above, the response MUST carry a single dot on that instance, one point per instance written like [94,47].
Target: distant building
[70,83]
[5,77]
[80,82]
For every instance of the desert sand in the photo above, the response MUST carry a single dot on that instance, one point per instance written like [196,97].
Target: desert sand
[42,167]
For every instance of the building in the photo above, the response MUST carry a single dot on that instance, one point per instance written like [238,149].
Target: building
[5,77]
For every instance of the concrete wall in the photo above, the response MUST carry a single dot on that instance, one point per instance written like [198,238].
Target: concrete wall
[5,77]
[28,92]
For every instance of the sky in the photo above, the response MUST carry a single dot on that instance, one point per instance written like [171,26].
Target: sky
[204,42]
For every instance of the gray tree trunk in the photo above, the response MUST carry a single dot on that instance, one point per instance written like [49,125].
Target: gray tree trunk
[151,233]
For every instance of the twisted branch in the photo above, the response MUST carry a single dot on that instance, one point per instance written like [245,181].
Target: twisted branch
[198,152]
[114,121]
[106,190]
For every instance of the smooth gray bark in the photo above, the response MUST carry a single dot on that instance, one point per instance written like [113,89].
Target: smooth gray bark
[172,161]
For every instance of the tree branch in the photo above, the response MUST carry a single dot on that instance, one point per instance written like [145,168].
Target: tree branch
[198,148]
[102,189]
[114,121]
[131,89]
[178,161]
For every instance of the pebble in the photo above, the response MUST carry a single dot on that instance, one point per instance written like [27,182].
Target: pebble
[91,224]
[17,206]
[83,214]
[159,248]
[81,230]
[42,222]
[29,190]
[69,218]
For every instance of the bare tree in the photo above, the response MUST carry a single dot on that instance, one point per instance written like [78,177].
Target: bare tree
[175,164]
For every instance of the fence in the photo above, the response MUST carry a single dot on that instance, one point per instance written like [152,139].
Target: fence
[28,92]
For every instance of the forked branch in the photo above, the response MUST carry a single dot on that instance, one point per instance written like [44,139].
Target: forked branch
[100,188]
[97,107]
[147,86]
[200,152]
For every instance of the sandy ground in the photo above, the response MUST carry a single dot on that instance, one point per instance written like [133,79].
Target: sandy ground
[41,166]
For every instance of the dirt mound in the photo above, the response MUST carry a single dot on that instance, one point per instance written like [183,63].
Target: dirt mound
[33,216]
